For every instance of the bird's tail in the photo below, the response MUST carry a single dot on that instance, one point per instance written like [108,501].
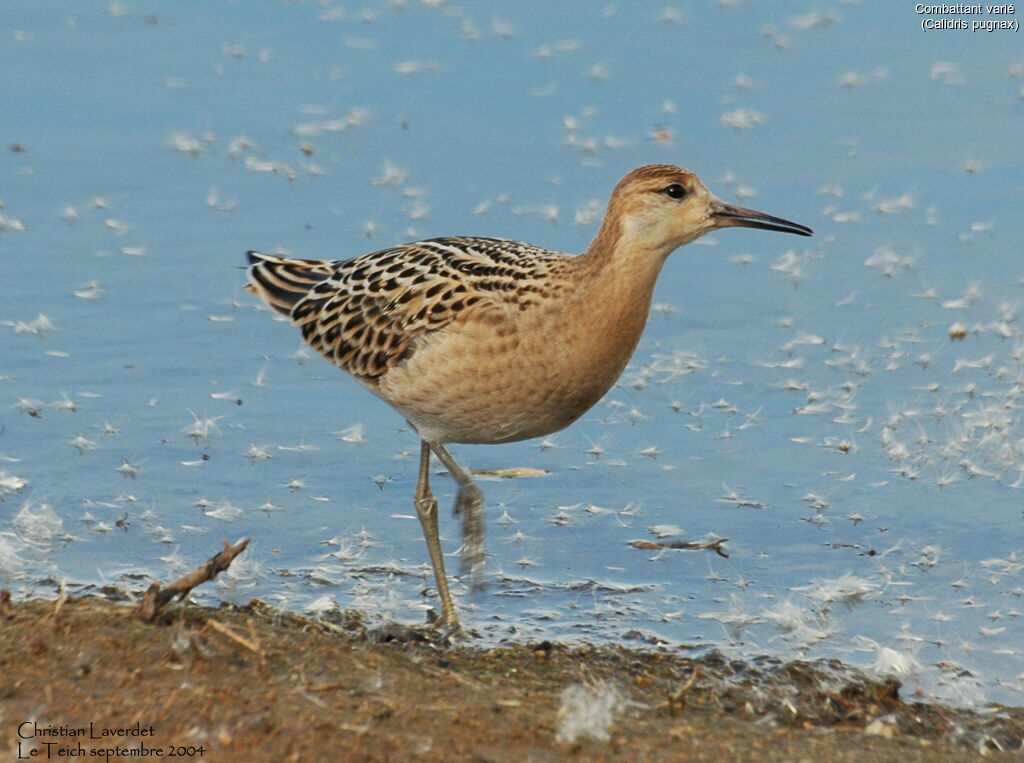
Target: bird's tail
[281,282]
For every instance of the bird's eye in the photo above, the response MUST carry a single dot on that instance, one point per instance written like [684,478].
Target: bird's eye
[675,191]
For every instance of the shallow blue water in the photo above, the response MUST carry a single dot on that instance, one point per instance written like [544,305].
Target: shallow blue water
[801,397]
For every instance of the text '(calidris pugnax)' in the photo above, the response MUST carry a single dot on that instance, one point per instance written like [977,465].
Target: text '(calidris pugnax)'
[483,340]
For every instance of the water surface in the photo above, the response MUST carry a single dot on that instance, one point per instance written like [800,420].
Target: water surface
[845,409]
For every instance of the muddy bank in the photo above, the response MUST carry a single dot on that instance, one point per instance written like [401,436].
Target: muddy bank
[88,677]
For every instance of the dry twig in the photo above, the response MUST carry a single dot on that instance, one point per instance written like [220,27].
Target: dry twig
[252,643]
[156,598]
[62,597]
[679,545]
[677,700]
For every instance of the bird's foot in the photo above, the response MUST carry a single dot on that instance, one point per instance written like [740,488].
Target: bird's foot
[446,628]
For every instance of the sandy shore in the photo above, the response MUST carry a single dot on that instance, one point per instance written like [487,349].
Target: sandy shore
[88,677]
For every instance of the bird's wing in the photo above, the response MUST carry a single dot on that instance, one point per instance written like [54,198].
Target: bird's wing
[366,314]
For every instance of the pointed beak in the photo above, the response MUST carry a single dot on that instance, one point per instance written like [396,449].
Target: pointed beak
[732,216]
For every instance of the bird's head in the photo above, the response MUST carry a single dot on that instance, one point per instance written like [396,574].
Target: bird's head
[660,207]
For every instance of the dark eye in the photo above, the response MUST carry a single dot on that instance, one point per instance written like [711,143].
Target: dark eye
[675,191]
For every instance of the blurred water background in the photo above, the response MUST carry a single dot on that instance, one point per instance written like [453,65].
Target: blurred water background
[845,409]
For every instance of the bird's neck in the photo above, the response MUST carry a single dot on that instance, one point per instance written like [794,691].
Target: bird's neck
[619,271]
[615,285]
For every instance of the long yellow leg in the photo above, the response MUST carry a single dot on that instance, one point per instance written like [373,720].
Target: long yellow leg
[426,509]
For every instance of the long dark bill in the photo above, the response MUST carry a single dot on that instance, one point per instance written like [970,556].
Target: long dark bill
[730,215]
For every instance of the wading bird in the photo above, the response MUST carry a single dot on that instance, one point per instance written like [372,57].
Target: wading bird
[484,340]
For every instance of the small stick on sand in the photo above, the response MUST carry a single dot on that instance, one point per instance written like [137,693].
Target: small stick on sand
[156,598]
[252,643]
[62,597]
[677,700]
